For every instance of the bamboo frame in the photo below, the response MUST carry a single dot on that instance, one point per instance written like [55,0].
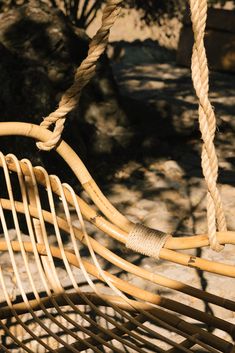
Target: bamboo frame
[114,224]
[123,225]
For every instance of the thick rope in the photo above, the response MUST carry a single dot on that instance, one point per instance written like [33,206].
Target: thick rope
[146,241]
[83,75]
[207,123]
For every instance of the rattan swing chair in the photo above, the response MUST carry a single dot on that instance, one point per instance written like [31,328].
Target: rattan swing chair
[69,318]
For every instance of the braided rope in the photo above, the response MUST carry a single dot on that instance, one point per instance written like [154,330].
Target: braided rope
[83,75]
[207,123]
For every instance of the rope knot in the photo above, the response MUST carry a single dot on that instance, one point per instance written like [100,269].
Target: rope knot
[146,241]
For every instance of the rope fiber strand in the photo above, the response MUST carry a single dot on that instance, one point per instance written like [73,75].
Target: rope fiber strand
[83,75]
[207,123]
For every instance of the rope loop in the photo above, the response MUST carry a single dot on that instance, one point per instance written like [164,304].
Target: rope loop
[207,123]
[83,75]
[146,241]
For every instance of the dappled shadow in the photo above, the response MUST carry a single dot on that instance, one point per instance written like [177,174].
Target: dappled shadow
[151,168]
[161,107]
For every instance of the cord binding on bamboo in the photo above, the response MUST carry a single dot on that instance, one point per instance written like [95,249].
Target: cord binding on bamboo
[32,177]
[146,241]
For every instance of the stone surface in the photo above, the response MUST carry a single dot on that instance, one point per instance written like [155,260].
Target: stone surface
[219,41]
[162,92]
[220,57]
[217,18]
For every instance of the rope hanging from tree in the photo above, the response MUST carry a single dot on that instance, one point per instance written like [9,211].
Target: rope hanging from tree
[207,123]
[200,77]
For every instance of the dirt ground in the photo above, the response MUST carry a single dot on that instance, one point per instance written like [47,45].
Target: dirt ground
[157,179]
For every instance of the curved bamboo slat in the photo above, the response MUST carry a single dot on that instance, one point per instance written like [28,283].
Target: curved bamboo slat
[134,312]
